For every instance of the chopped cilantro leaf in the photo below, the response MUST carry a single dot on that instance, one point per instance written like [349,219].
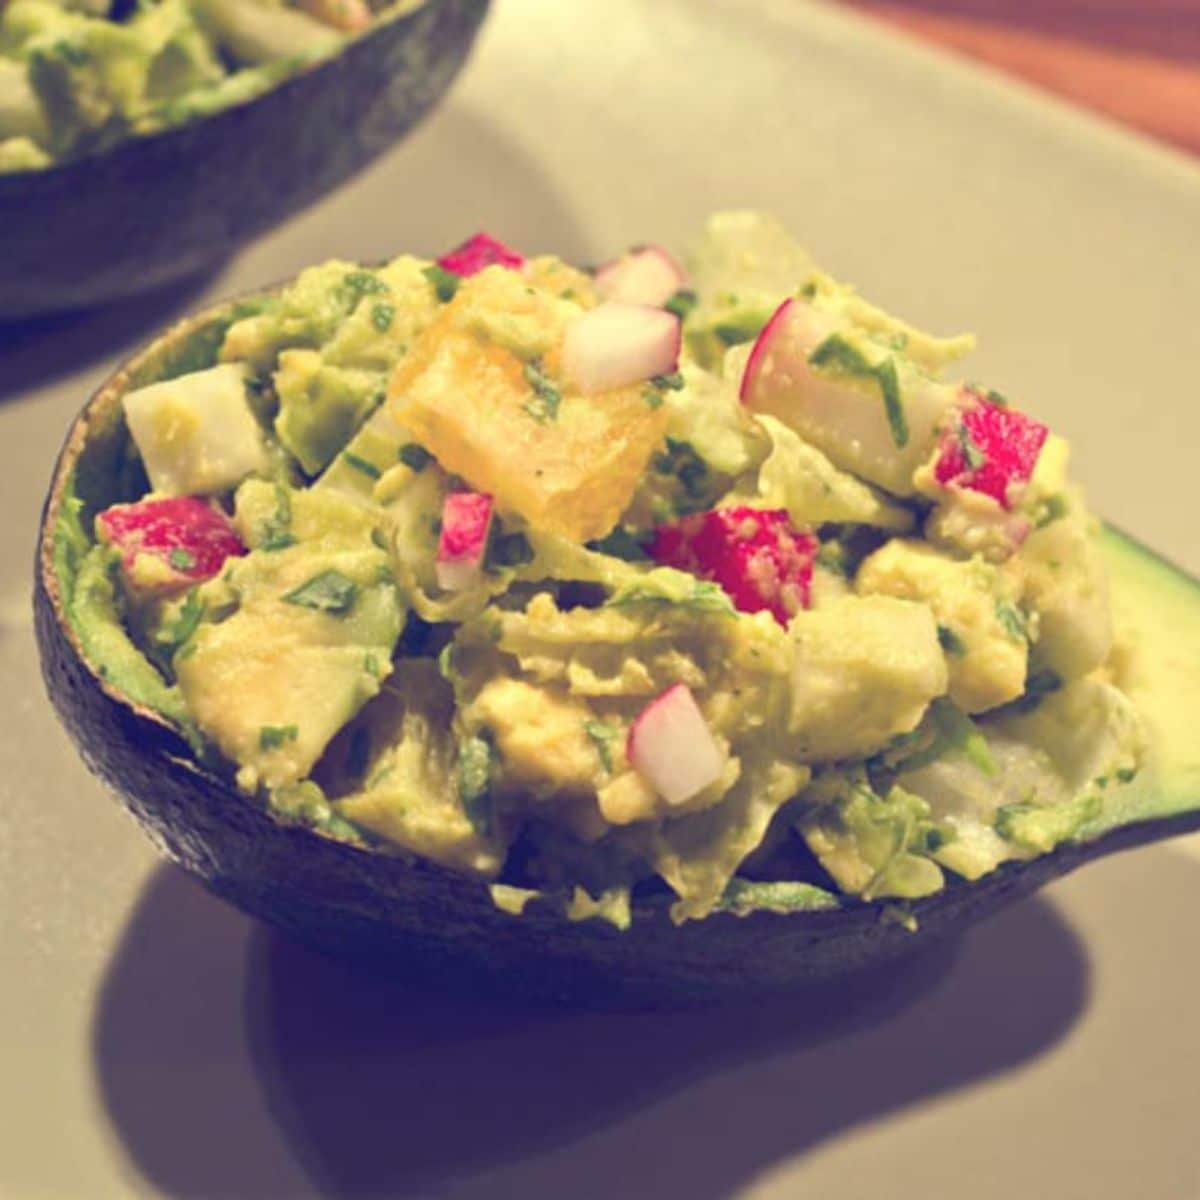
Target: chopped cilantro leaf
[382,316]
[361,464]
[182,560]
[416,457]
[972,455]
[543,408]
[445,283]
[682,303]
[474,780]
[668,383]
[1050,510]
[602,737]
[271,737]
[1013,621]
[842,357]
[330,592]
[277,529]
[362,283]
[682,461]
[652,397]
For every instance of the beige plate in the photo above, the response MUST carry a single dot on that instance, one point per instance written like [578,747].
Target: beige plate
[154,1042]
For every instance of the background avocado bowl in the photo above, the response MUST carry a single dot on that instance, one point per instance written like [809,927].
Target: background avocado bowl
[393,910]
[160,206]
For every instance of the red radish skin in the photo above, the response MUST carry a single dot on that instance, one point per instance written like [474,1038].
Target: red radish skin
[672,748]
[756,555]
[1007,441]
[615,345]
[758,352]
[648,275]
[478,252]
[188,535]
[462,543]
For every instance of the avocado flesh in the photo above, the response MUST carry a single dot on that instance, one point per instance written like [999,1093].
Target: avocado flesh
[401,914]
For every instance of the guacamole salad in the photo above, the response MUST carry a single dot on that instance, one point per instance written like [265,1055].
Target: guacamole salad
[77,76]
[712,583]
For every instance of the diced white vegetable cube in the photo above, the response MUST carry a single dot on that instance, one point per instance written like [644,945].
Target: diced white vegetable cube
[196,433]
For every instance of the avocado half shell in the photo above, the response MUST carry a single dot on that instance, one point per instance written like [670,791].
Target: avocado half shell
[160,207]
[414,917]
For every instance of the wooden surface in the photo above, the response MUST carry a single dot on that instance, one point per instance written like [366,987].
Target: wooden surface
[1137,61]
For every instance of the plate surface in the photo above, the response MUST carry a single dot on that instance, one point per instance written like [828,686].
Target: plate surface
[156,1043]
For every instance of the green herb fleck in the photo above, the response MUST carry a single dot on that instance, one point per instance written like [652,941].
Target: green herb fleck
[973,456]
[371,665]
[415,457]
[682,303]
[182,560]
[382,316]
[1126,774]
[1012,620]
[271,737]
[652,398]
[543,408]
[362,283]
[330,592]
[950,641]
[838,355]
[682,461]
[474,780]
[602,737]
[277,529]
[361,464]
[445,283]
[669,383]
[186,622]
[1051,509]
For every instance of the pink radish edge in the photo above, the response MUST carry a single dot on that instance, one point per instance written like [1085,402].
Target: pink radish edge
[671,746]
[759,349]
[462,542]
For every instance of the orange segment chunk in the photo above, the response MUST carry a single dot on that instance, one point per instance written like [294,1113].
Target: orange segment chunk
[482,391]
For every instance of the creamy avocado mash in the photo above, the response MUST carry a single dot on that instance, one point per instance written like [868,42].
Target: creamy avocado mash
[502,564]
[77,76]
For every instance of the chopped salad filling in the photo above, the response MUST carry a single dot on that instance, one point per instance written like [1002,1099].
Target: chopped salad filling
[78,76]
[614,584]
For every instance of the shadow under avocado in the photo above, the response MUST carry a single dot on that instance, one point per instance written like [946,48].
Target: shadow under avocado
[245,1066]
[40,350]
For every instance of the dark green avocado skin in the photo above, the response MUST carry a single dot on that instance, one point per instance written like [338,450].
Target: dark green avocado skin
[162,207]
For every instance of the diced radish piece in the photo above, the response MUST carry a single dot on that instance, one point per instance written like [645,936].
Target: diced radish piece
[990,449]
[846,415]
[619,344]
[187,538]
[478,252]
[648,275]
[672,748]
[755,554]
[462,543]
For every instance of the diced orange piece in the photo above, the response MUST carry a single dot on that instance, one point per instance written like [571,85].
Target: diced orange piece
[482,392]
